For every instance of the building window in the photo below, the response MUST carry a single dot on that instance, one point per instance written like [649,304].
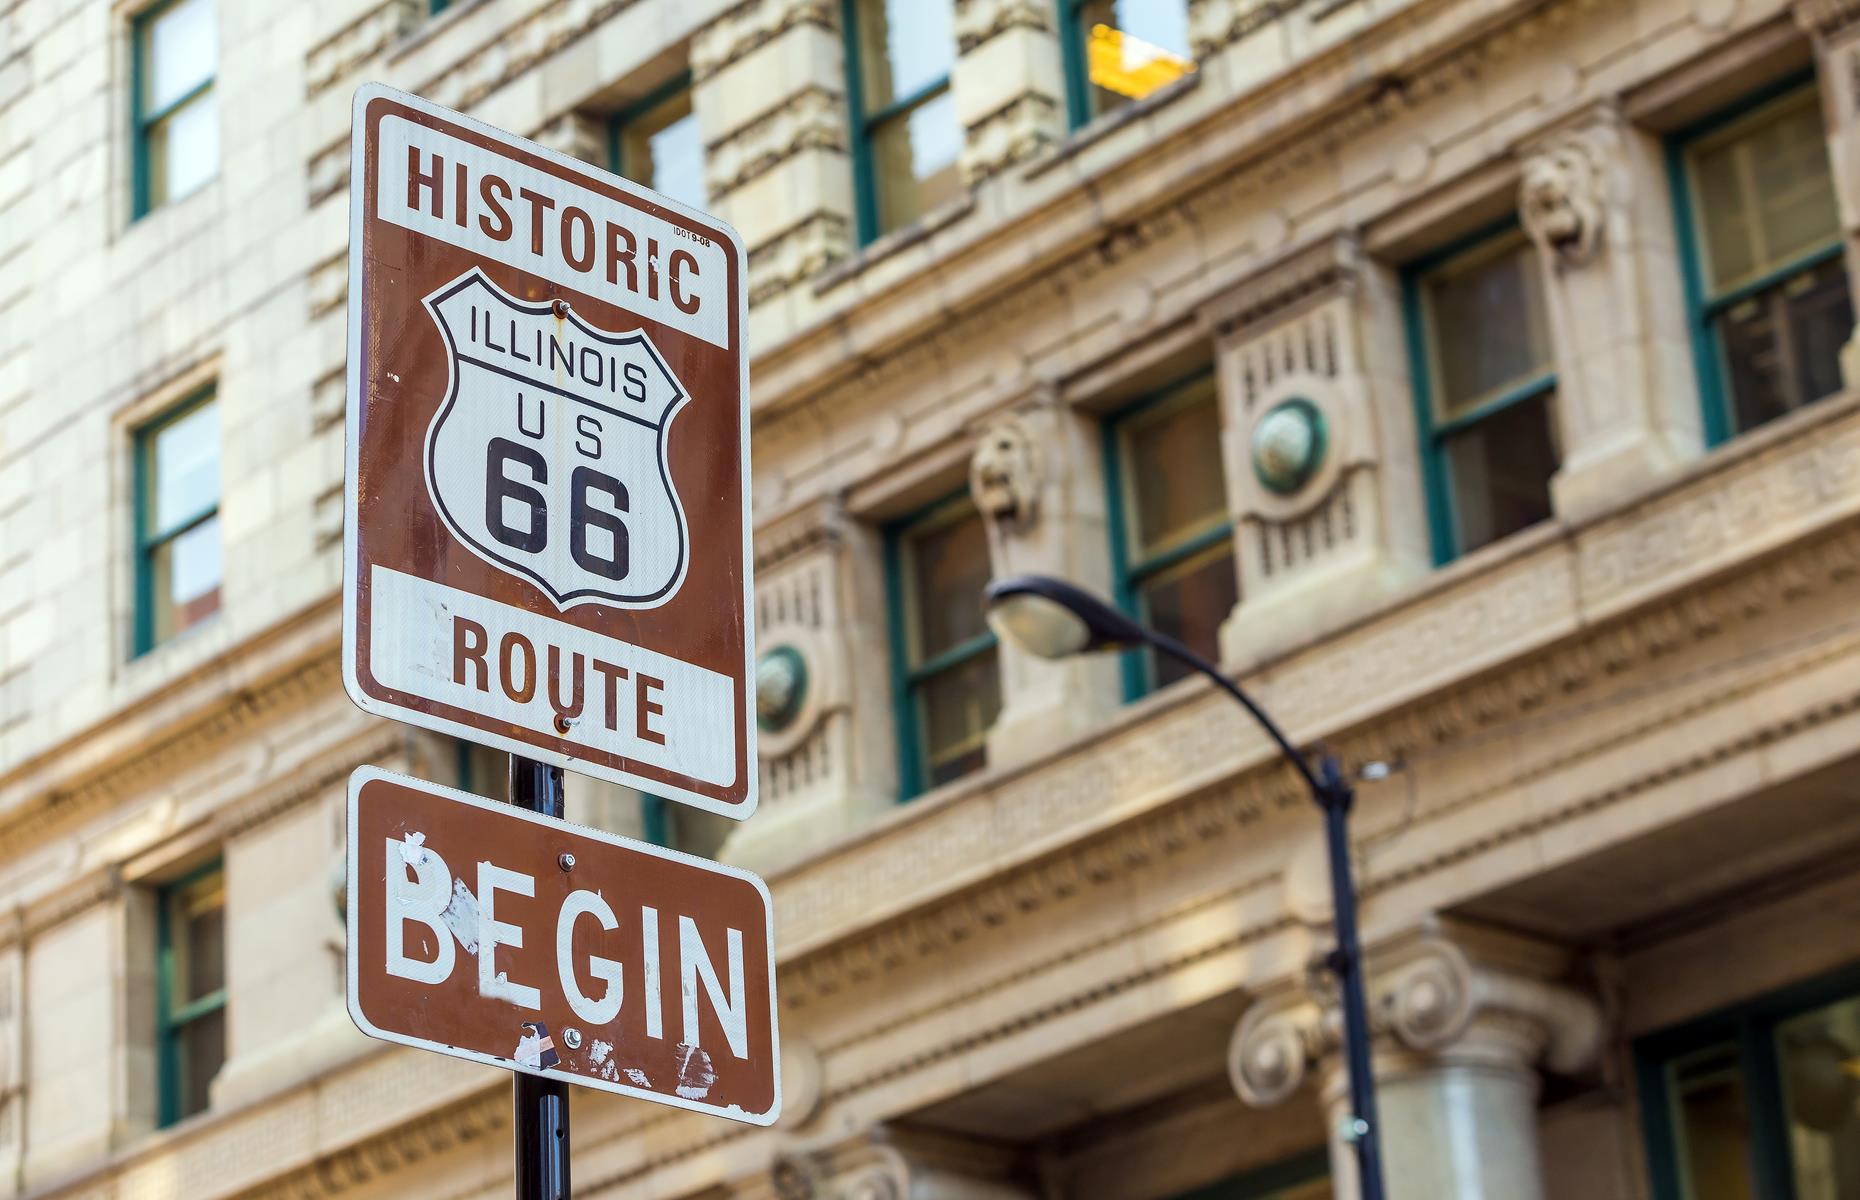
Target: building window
[1485,390]
[1171,533]
[1117,51]
[176,116]
[1761,231]
[178,557]
[1759,1100]
[944,665]
[906,137]
[190,924]
[656,144]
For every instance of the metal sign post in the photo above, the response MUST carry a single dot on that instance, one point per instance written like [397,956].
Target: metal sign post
[539,1107]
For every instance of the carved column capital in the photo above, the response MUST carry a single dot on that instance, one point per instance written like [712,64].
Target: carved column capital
[1449,993]
[1825,18]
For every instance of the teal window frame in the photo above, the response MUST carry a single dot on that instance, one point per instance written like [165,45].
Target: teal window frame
[1702,307]
[1072,51]
[616,127]
[1443,519]
[1264,1183]
[864,125]
[1751,1025]
[142,122]
[1127,574]
[906,680]
[148,540]
[169,1020]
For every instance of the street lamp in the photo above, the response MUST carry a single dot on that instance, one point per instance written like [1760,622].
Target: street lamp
[1051,618]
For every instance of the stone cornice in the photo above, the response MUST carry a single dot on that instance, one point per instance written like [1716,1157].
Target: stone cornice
[187,718]
[1283,284]
[1676,569]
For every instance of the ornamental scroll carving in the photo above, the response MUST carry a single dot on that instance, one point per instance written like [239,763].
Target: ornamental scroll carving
[1431,999]
[1563,196]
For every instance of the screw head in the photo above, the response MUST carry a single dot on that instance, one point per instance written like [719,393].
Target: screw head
[571,1037]
[566,862]
[1352,1129]
[560,307]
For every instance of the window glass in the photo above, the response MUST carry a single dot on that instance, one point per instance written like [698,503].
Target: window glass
[1819,1053]
[1777,306]
[1131,48]
[952,669]
[178,147]
[1180,560]
[909,138]
[905,46]
[1713,1125]
[186,478]
[948,566]
[1490,391]
[181,556]
[914,158]
[1766,193]
[1174,454]
[662,149]
[181,50]
[193,979]
[1491,331]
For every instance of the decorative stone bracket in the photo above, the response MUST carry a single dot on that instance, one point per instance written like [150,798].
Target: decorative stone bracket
[1451,993]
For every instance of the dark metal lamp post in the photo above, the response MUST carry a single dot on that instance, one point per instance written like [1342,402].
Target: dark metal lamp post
[1055,619]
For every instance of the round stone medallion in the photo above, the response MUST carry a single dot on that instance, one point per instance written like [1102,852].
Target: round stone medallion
[1288,445]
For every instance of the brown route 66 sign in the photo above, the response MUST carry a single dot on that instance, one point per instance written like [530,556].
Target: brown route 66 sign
[547,535]
[509,938]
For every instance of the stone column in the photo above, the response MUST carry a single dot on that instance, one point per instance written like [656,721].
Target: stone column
[1594,199]
[1008,82]
[1037,477]
[1835,27]
[769,91]
[1463,1019]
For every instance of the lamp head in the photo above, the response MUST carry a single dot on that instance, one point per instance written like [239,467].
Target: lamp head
[1051,618]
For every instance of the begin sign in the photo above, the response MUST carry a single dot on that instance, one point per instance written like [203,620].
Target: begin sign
[509,938]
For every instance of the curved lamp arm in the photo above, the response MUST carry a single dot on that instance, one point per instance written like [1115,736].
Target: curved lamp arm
[1053,618]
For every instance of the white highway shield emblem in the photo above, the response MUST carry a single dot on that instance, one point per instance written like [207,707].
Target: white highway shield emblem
[548,456]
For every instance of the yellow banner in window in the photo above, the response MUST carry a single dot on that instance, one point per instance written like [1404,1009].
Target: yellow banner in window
[1130,66]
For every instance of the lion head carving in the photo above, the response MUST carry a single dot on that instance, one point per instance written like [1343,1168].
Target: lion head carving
[1561,200]
[1004,474]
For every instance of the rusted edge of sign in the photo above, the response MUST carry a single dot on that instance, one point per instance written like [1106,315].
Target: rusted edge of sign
[352,984]
[358,208]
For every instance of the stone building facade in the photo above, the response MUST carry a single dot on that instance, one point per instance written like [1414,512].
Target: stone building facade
[1470,377]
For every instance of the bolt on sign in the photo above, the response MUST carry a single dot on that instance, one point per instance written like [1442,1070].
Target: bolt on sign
[547,535]
[517,940]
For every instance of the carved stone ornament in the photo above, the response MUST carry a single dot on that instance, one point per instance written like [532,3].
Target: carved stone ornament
[1563,198]
[1427,1002]
[1004,473]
